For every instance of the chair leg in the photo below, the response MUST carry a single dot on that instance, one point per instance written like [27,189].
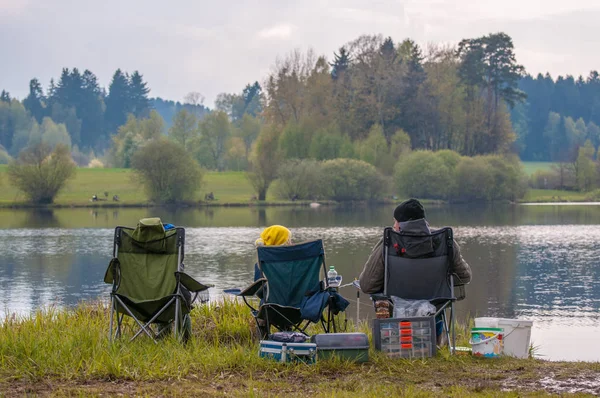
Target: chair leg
[147,327]
[115,321]
[448,328]
[331,320]
[263,332]
[330,325]
[177,316]
[186,328]
[112,310]
[119,325]
[328,322]
[292,326]
[452,329]
[143,327]
[324,324]
[267,326]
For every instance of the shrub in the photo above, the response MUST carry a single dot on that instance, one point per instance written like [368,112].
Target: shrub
[169,174]
[593,196]
[567,176]
[423,174]
[544,179]
[474,179]
[450,158]
[509,180]
[376,151]
[41,173]
[349,179]
[295,141]
[54,133]
[299,179]
[587,173]
[329,143]
[264,161]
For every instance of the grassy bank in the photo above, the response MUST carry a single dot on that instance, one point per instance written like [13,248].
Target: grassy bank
[554,195]
[227,187]
[67,353]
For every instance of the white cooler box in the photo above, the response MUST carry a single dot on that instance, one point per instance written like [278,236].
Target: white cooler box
[288,352]
[517,334]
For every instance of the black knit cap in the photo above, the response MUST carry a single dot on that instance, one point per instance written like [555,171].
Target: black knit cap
[408,210]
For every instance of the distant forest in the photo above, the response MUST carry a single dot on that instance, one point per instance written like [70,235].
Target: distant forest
[371,100]
[557,116]
[90,114]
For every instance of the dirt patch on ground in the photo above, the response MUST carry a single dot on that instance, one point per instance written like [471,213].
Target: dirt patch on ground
[404,378]
[586,383]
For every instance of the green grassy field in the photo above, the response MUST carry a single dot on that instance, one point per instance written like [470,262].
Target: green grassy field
[554,195]
[67,353]
[227,187]
[532,167]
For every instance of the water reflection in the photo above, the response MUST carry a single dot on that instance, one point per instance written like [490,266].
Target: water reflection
[533,262]
[41,218]
[341,216]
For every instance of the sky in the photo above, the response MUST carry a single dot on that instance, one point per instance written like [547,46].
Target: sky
[181,46]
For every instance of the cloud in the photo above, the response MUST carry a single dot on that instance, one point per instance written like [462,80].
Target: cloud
[12,7]
[277,32]
[189,45]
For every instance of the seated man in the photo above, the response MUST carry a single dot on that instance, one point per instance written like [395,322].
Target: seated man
[409,217]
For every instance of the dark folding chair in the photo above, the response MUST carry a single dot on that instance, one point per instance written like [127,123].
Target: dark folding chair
[418,267]
[292,291]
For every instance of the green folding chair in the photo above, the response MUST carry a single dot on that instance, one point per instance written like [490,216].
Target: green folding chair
[149,283]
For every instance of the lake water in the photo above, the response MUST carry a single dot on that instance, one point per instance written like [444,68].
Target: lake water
[537,262]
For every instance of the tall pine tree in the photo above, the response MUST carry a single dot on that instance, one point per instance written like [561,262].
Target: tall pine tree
[34,102]
[252,95]
[138,96]
[117,102]
[340,64]
[91,112]
[5,96]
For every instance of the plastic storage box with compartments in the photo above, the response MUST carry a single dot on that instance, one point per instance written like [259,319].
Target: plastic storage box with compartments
[405,337]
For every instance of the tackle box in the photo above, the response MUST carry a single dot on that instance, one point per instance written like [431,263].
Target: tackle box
[349,346]
[288,352]
[405,337]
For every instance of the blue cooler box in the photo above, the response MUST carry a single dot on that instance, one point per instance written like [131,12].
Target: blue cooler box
[288,352]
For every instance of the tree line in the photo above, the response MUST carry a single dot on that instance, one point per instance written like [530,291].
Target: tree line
[546,121]
[91,115]
[376,101]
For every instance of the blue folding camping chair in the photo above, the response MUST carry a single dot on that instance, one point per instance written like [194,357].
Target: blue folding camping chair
[292,292]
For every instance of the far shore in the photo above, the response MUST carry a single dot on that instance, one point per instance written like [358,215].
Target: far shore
[271,203]
[229,189]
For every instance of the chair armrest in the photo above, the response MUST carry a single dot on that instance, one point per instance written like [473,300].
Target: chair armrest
[457,281]
[109,275]
[190,283]
[253,288]
[379,296]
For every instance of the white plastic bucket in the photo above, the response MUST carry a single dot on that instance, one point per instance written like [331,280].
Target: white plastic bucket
[486,342]
[517,334]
